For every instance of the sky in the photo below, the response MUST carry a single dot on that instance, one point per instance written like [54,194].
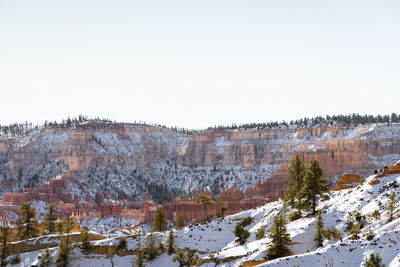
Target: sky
[196,64]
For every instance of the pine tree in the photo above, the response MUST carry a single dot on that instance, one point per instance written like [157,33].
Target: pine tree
[85,238]
[320,232]
[354,232]
[160,221]
[65,243]
[374,261]
[151,247]
[4,237]
[189,259]
[221,209]
[50,218]
[181,221]
[60,227]
[241,233]
[28,222]
[295,180]
[45,258]
[205,200]
[280,239]
[141,256]
[391,205]
[315,187]
[68,223]
[64,249]
[170,242]
[260,233]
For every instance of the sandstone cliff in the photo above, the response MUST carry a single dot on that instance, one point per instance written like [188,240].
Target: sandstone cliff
[131,159]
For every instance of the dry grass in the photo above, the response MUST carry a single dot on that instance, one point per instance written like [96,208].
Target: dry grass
[348,181]
[42,231]
[394,169]
[252,263]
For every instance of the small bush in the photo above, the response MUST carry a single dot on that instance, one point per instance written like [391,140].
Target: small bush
[189,259]
[15,260]
[122,244]
[376,215]
[260,233]
[374,260]
[370,236]
[333,233]
[241,233]
[246,221]
[354,232]
[294,216]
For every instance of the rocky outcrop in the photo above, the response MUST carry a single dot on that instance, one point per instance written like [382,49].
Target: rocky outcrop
[131,159]
[348,181]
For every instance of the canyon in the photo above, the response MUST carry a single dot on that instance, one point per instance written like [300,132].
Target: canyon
[132,162]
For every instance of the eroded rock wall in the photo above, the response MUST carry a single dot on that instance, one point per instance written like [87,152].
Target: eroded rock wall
[130,159]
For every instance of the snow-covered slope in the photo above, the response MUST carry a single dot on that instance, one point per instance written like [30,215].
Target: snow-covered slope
[216,246]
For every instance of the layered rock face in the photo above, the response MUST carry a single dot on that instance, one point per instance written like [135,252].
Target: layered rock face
[131,159]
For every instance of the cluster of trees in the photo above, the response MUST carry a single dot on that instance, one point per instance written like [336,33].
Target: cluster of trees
[27,227]
[154,247]
[352,119]
[17,129]
[356,221]
[66,123]
[305,187]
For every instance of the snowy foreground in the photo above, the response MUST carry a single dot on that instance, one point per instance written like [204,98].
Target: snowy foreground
[215,242]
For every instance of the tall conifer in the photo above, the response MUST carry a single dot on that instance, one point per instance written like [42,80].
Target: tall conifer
[295,180]
[280,239]
[320,232]
[315,187]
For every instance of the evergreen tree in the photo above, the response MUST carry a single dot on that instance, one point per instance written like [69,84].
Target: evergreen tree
[374,261]
[260,233]
[170,242]
[221,209]
[160,221]
[50,218]
[141,257]
[241,233]
[64,249]
[151,247]
[45,258]
[376,215]
[320,232]
[295,180]
[4,237]
[65,246]
[85,238]
[68,223]
[280,239]
[391,205]
[205,200]
[28,222]
[60,227]
[354,232]
[189,259]
[181,221]
[314,187]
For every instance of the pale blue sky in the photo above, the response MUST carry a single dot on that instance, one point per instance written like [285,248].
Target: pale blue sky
[197,63]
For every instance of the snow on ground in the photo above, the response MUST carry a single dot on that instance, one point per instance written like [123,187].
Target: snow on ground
[108,223]
[215,241]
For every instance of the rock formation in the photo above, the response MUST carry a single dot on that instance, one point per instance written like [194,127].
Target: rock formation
[129,160]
